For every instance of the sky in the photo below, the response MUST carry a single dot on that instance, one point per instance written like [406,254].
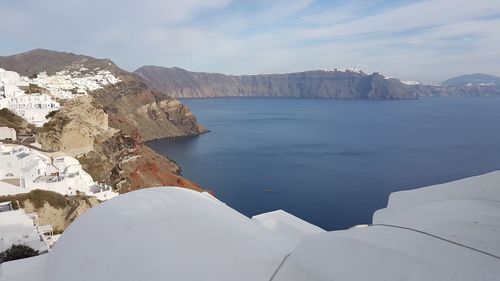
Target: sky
[427,41]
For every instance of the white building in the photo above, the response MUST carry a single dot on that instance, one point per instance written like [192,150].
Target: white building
[24,169]
[17,227]
[64,84]
[32,107]
[13,78]
[7,133]
[444,232]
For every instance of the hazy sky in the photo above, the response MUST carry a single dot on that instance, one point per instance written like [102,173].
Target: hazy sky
[414,40]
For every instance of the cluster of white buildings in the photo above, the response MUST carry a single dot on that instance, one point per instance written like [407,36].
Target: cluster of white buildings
[66,84]
[32,107]
[23,169]
[19,227]
[62,85]
[446,232]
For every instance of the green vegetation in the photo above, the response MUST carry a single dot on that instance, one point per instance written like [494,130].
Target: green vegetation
[38,198]
[16,252]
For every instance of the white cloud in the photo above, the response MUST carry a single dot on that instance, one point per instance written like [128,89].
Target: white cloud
[424,40]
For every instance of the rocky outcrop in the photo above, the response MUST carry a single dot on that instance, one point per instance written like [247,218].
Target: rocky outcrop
[75,128]
[112,156]
[337,83]
[11,120]
[142,112]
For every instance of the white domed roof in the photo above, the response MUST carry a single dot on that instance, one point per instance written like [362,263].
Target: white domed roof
[152,234]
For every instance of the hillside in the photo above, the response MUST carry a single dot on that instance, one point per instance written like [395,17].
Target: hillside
[335,83]
[128,103]
[106,129]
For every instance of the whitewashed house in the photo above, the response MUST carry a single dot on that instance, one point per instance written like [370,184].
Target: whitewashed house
[33,108]
[24,169]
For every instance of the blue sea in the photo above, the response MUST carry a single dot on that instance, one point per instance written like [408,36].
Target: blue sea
[333,162]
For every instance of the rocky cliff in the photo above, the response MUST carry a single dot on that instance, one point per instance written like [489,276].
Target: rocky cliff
[113,156]
[75,128]
[336,83]
[142,112]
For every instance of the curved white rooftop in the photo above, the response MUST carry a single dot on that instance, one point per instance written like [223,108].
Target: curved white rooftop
[444,232]
[165,234]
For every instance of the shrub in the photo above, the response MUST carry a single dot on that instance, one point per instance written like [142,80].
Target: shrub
[16,252]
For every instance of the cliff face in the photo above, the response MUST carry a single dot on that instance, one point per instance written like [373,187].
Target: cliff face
[113,156]
[338,84]
[142,112]
[343,84]
[11,120]
[75,127]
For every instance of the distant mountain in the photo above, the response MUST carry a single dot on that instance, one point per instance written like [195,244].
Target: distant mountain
[39,60]
[477,79]
[334,83]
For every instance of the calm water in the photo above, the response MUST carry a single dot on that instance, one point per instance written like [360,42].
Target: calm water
[334,162]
